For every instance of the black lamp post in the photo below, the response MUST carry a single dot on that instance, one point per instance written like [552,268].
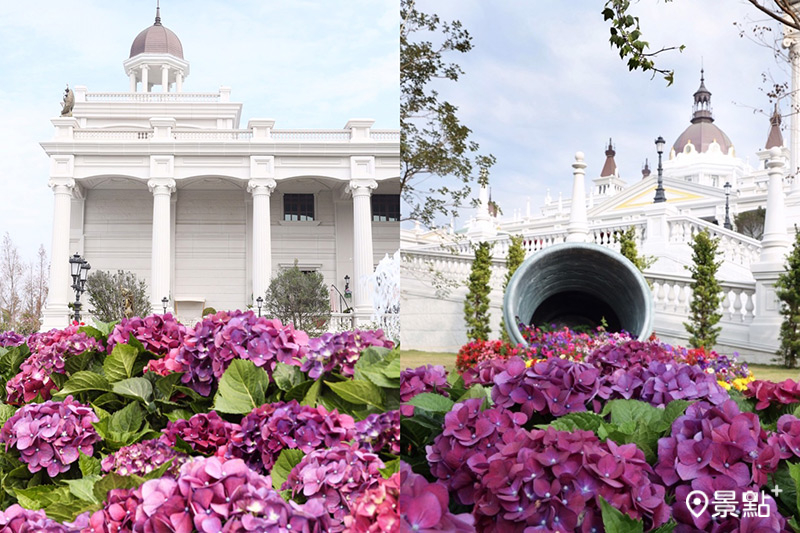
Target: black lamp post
[259,303]
[347,292]
[727,224]
[164,302]
[79,269]
[660,196]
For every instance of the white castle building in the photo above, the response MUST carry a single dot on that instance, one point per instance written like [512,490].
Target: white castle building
[697,168]
[168,184]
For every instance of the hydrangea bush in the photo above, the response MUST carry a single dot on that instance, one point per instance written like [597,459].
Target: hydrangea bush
[147,425]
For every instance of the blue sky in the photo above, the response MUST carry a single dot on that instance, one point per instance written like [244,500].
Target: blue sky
[307,64]
[542,83]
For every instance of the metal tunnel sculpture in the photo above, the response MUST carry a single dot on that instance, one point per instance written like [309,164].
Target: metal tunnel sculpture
[573,284]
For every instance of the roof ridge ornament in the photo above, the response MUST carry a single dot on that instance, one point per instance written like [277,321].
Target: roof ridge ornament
[158,14]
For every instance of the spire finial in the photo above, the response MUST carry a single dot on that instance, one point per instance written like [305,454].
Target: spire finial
[158,13]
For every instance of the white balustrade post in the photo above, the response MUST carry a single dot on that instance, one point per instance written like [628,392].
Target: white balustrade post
[132,76]
[145,80]
[56,312]
[775,243]
[164,78]
[179,81]
[578,227]
[261,189]
[162,189]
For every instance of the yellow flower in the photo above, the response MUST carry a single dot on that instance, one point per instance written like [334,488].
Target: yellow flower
[724,384]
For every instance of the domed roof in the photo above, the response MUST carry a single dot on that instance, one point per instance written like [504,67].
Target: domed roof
[157,39]
[702,131]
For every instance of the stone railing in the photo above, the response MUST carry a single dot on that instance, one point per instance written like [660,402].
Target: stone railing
[112,135]
[609,235]
[152,97]
[672,294]
[310,135]
[211,135]
[384,135]
[341,322]
[735,247]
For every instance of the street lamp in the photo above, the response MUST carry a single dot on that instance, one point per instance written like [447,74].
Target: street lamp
[259,303]
[79,269]
[347,292]
[660,196]
[727,224]
[164,302]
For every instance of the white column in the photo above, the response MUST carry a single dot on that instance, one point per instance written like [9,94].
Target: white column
[361,190]
[58,295]
[179,81]
[132,76]
[775,243]
[261,189]
[164,78]
[162,189]
[578,227]
[791,41]
[145,81]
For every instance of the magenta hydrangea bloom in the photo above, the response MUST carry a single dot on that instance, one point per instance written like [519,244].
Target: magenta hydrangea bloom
[206,433]
[159,334]
[142,458]
[9,339]
[271,428]
[554,386]
[212,344]
[118,512]
[335,477]
[424,506]
[49,351]
[552,480]
[787,437]
[659,383]
[611,357]
[483,373]
[340,351]
[459,455]
[716,448]
[17,519]
[379,432]
[377,510]
[50,435]
[769,393]
[413,381]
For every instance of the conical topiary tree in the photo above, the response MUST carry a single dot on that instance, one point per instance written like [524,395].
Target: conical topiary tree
[515,257]
[627,247]
[787,288]
[706,293]
[476,304]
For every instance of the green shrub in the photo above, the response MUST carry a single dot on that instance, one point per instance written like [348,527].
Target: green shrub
[116,296]
[299,298]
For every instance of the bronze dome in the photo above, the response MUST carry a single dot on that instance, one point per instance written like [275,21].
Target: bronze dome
[702,131]
[157,39]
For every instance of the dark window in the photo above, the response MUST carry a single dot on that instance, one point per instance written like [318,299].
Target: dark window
[386,207]
[298,207]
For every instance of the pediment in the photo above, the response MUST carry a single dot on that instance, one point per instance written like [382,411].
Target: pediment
[641,194]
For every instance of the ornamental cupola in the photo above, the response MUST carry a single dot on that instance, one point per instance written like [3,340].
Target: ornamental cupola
[156,59]
[702,132]
[609,182]
[775,138]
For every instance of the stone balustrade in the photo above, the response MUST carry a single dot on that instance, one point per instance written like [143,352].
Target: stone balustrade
[211,135]
[384,135]
[735,247]
[672,294]
[112,135]
[153,97]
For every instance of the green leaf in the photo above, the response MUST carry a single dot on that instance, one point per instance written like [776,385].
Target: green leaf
[41,496]
[359,392]
[312,395]
[571,421]
[165,385]
[434,403]
[127,420]
[105,327]
[391,468]
[69,510]
[83,488]
[89,465]
[477,391]
[287,376]
[6,412]
[632,411]
[667,528]
[83,381]
[617,522]
[287,460]
[672,411]
[242,388]
[79,362]
[794,472]
[179,414]
[120,363]
[94,332]
[298,392]
[135,389]
[11,360]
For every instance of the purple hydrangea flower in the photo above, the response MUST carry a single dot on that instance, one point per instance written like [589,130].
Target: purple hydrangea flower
[340,351]
[335,477]
[413,381]
[142,458]
[17,519]
[424,506]
[9,339]
[206,433]
[271,428]
[50,435]
[380,431]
